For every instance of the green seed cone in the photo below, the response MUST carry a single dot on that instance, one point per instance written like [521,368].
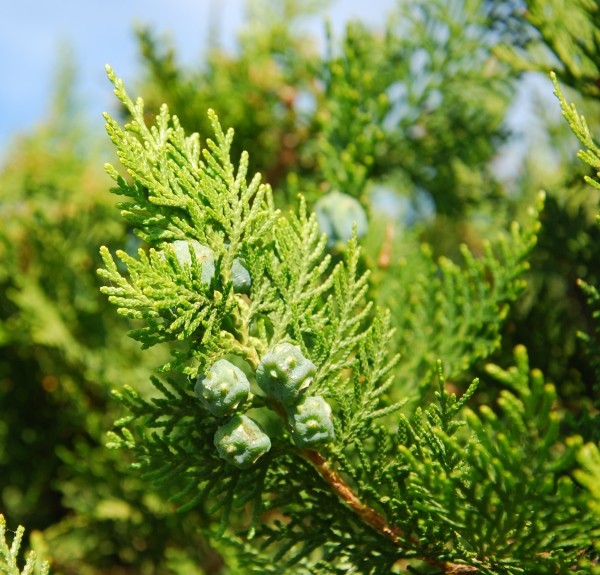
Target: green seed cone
[240,277]
[311,422]
[222,388]
[284,373]
[241,441]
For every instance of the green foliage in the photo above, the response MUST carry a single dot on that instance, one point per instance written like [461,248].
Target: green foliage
[490,487]
[252,91]
[409,101]
[55,336]
[567,34]
[591,155]
[589,475]
[293,411]
[465,324]
[558,36]
[289,298]
[434,480]
[592,340]
[9,555]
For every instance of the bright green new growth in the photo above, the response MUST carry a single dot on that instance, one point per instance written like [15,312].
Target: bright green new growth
[284,373]
[9,554]
[338,214]
[182,191]
[589,454]
[241,441]
[222,388]
[311,422]
[200,196]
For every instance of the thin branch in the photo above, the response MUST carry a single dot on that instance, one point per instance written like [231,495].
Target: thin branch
[373,518]
[344,491]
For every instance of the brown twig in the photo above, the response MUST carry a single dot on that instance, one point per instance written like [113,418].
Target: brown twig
[373,518]
[344,491]
[367,514]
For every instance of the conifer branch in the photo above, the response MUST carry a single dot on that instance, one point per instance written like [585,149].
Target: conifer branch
[421,489]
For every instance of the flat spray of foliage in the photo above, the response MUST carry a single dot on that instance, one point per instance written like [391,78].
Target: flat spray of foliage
[444,488]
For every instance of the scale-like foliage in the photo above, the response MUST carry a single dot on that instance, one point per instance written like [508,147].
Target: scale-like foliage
[471,302]
[61,349]
[203,199]
[592,340]
[591,154]
[457,492]
[495,486]
[296,295]
[334,474]
[9,554]
[589,455]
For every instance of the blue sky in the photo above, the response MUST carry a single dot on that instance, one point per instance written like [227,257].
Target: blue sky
[99,33]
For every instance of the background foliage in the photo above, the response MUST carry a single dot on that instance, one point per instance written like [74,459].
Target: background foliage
[477,269]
